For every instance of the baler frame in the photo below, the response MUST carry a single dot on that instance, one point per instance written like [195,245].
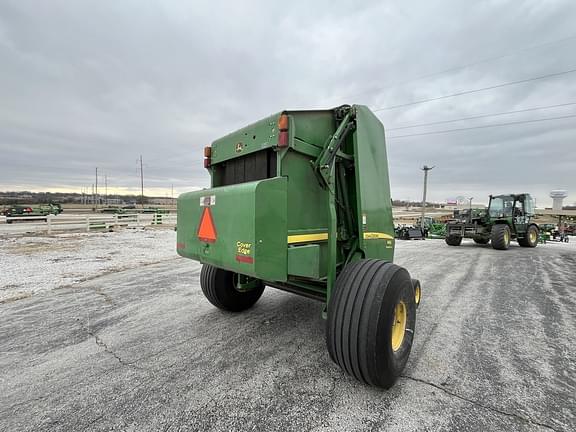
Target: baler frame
[322,178]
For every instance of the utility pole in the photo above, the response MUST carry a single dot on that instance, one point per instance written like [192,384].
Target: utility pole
[106,189]
[470,209]
[96,196]
[425,168]
[172,193]
[141,183]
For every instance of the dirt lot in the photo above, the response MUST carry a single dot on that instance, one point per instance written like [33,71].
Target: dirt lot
[141,349]
[37,263]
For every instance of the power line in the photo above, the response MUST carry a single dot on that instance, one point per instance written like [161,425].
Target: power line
[483,116]
[484,126]
[505,84]
[455,68]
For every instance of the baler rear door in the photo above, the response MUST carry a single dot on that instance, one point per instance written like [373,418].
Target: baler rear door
[241,228]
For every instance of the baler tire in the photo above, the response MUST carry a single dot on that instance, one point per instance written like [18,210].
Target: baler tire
[528,240]
[500,236]
[218,287]
[453,240]
[481,240]
[363,324]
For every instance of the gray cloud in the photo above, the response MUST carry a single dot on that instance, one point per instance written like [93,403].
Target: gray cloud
[85,84]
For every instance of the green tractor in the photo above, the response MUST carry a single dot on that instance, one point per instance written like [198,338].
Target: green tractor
[508,217]
[300,201]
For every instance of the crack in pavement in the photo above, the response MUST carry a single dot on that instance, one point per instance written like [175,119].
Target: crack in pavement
[478,404]
[107,349]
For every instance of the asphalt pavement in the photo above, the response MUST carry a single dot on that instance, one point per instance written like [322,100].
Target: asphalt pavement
[143,350]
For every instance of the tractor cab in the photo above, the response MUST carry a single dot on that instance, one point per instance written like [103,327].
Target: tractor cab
[514,209]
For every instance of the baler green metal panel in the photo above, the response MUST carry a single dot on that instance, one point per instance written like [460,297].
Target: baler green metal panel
[250,224]
[313,127]
[255,137]
[307,261]
[307,204]
[373,187]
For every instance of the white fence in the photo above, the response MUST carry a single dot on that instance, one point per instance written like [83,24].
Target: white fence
[51,223]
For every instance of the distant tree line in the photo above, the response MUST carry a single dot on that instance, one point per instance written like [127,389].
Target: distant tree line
[403,203]
[27,197]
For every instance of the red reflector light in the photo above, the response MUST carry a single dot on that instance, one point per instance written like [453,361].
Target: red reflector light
[207,163]
[283,130]
[207,229]
[283,139]
[245,259]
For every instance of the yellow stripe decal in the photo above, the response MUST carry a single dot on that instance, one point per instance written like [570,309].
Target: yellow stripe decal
[377,235]
[303,238]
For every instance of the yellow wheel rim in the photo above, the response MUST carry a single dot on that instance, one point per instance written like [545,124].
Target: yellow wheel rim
[532,236]
[506,237]
[417,293]
[398,326]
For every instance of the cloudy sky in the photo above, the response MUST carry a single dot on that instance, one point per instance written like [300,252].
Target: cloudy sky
[86,84]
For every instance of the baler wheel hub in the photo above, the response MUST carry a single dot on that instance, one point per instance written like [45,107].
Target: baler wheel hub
[398,326]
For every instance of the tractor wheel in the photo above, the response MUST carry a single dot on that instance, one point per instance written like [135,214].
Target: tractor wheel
[453,240]
[218,287]
[500,236]
[371,320]
[531,237]
[481,240]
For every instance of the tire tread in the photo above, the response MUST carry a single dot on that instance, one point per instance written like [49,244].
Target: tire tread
[354,313]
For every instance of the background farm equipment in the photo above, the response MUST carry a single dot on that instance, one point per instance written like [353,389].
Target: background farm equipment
[437,230]
[469,214]
[21,212]
[410,233]
[507,217]
[433,228]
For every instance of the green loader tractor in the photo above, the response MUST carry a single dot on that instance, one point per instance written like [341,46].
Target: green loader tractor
[508,217]
[300,201]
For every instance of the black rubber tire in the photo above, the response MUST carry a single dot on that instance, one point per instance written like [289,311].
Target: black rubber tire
[218,287]
[453,240]
[525,241]
[498,237]
[360,318]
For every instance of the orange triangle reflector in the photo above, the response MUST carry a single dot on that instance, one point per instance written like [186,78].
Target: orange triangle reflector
[206,229]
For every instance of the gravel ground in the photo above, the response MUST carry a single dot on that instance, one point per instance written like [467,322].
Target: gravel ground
[32,264]
[142,349]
